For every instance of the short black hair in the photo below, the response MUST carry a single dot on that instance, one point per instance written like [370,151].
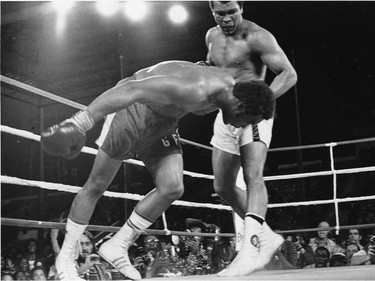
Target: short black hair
[39,268]
[257,97]
[240,3]
[320,250]
[191,223]
[338,259]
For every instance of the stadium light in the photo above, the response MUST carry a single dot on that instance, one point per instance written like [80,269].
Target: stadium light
[178,14]
[135,10]
[107,8]
[61,8]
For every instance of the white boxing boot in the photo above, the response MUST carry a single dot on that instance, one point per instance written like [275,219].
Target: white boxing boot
[115,251]
[270,242]
[246,260]
[65,261]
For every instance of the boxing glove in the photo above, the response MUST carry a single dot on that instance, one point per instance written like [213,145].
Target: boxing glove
[67,138]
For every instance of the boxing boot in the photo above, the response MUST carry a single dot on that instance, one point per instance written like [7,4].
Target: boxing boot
[115,251]
[246,260]
[65,261]
[270,242]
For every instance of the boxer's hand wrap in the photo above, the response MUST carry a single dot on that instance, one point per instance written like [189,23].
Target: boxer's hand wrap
[82,120]
[202,63]
[67,138]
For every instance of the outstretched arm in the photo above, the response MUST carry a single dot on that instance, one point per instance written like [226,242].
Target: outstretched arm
[274,58]
[67,138]
[158,89]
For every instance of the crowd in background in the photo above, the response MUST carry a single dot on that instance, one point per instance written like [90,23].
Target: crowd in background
[156,256]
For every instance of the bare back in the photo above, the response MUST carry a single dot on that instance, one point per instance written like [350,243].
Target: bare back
[195,88]
[171,89]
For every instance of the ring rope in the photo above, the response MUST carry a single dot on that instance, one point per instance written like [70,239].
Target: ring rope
[75,189]
[40,92]
[334,182]
[65,101]
[74,104]
[330,145]
[137,197]
[322,144]
[102,228]
[89,150]
[86,149]
[333,172]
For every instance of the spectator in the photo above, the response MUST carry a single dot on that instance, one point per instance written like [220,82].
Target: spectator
[19,275]
[152,244]
[166,262]
[370,247]
[192,254]
[39,263]
[321,258]
[89,265]
[88,262]
[209,242]
[223,253]
[54,241]
[323,240]
[360,258]
[31,253]
[7,277]
[342,242]
[305,252]
[7,266]
[350,250]
[279,262]
[146,256]
[23,266]
[338,259]
[289,250]
[198,262]
[38,273]
[195,243]
[366,255]
[354,237]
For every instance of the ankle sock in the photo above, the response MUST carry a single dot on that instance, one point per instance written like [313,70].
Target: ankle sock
[138,222]
[256,217]
[74,230]
[133,226]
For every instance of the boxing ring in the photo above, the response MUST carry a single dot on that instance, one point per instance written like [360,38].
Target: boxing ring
[346,273]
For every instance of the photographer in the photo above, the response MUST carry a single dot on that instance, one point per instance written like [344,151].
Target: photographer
[370,248]
[192,250]
[89,264]
[367,255]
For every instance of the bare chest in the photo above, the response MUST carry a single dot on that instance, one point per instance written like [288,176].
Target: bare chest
[226,50]
[236,56]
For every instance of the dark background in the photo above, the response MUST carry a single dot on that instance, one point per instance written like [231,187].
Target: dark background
[331,45]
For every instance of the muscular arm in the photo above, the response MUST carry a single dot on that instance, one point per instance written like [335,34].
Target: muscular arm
[274,58]
[207,40]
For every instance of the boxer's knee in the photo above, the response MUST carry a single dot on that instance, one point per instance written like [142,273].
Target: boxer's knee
[96,185]
[171,190]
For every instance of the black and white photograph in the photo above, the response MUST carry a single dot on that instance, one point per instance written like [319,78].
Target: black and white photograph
[187,140]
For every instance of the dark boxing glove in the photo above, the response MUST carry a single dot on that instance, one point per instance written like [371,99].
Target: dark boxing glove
[67,138]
